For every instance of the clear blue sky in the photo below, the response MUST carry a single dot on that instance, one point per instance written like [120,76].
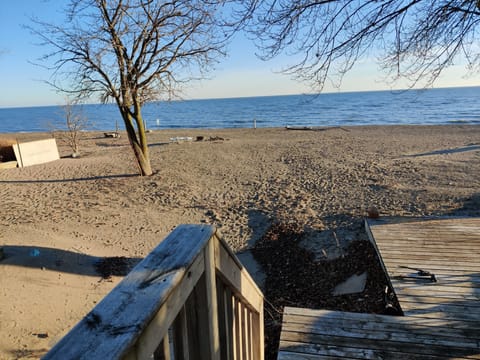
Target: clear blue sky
[240,74]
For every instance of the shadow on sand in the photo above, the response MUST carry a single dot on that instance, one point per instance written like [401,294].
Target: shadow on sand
[448,151]
[64,261]
[52,181]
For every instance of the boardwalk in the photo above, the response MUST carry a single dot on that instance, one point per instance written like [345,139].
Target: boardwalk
[434,269]
[448,250]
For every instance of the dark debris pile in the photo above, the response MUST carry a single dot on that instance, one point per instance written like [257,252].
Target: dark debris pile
[295,278]
[113,266]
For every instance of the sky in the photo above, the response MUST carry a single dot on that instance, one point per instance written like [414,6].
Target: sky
[240,74]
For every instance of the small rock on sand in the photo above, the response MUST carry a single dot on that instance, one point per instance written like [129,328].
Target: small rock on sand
[354,284]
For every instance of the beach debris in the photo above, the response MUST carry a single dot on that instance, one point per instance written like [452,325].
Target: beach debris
[294,277]
[419,275]
[198,138]
[111,135]
[113,266]
[353,285]
[372,212]
[299,128]
[181,138]
[215,138]
[314,128]
[390,308]
[2,254]
[41,335]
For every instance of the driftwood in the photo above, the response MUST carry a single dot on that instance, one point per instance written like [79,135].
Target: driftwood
[313,128]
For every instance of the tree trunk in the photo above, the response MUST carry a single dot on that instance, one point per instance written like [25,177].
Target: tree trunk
[138,144]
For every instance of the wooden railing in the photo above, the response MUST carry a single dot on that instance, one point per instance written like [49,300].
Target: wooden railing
[190,298]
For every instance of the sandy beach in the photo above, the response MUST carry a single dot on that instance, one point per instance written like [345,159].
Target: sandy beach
[58,219]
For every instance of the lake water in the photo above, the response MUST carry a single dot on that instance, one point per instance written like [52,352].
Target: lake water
[432,106]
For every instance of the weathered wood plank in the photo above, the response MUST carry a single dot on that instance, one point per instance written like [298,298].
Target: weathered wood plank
[432,265]
[380,333]
[320,344]
[427,300]
[158,326]
[289,312]
[301,350]
[433,288]
[412,293]
[163,351]
[180,341]
[237,332]
[243,331]
[286,355]
[223,321]
[444,330]
[230,269]
[426,254]
[210,305]
[443,313]
[445,276]
[457,312]
[258,334]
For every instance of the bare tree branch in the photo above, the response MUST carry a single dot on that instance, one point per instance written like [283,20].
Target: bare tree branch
[418,38]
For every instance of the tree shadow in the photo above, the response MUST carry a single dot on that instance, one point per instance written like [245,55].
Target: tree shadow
[158,144]
[258,222]
[65,261]
[470,207]
[467,148]
[54,181]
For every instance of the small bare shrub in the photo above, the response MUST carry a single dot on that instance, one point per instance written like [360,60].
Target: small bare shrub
[76,123]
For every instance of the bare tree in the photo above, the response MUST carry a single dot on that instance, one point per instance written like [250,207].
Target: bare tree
[418,38]
[75,124]
[132,52]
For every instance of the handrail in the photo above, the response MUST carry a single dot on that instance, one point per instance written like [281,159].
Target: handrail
[190,298]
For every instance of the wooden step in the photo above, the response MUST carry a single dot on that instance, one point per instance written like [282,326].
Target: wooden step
[319,334]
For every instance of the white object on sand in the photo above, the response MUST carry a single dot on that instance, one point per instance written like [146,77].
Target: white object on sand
[181,138]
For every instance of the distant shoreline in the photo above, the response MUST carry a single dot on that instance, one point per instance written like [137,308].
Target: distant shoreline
[38,134]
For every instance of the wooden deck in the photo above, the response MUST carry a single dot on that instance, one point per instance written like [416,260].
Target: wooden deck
[449,249]
[442,317]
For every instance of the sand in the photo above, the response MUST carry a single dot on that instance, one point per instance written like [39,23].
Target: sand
[59,218]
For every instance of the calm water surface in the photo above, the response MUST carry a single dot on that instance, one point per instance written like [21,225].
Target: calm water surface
[433,106]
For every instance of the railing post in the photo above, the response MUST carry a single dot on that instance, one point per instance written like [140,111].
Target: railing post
[211,300]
